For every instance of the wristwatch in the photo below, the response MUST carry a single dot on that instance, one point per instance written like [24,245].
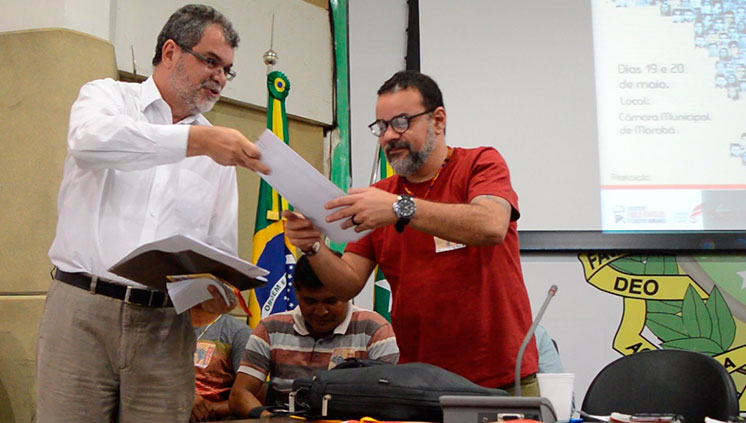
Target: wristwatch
[313,250]
[404,207]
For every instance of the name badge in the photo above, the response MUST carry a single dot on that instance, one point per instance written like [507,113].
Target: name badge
[442,245]
[339,355]
[203,353]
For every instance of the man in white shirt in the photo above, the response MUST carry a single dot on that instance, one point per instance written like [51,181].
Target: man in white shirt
[143,164]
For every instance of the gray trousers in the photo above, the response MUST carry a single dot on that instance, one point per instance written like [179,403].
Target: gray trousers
[101,360]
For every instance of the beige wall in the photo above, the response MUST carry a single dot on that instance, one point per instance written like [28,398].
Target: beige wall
[302,38]
[40,77]
[38,82]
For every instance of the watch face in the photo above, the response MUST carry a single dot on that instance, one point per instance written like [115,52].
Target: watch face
[405,207]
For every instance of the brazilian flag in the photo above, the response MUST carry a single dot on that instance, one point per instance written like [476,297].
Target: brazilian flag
[271,249]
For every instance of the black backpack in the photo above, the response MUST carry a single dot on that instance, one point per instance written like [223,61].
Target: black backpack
[367,388]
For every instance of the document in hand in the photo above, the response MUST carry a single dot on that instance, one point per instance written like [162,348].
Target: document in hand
[303,186]
[186,291]
[151,264]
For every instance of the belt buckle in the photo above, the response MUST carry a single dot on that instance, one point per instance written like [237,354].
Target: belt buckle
[127,295]
[92,287]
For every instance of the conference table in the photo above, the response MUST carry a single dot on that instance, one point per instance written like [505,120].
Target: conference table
[284,419]
[278,419]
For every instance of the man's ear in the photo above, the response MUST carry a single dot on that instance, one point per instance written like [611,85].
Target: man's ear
[439,120]
[169,53]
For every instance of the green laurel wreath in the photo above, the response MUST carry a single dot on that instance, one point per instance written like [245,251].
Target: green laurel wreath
[691,324]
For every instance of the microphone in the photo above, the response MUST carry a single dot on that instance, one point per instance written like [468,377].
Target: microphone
[459,409]
[531,330]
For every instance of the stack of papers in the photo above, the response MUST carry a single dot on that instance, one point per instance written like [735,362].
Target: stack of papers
[645,418]
[151,264]
[184,267]
[186,291]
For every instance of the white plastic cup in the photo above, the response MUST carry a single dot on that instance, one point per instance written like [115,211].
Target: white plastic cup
[557,387]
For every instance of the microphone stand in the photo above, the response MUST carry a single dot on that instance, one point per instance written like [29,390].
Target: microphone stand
[531,330]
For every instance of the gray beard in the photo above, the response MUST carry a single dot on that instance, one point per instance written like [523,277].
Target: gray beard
[413,161]
[180,85]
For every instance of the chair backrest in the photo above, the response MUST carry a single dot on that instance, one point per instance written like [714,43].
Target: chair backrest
[687,383]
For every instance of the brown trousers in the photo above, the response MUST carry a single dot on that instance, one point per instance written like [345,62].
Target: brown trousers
[101,360]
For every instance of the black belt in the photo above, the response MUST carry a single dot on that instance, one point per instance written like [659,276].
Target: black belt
[128,294]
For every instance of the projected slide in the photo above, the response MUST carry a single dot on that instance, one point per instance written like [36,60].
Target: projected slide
[671,92]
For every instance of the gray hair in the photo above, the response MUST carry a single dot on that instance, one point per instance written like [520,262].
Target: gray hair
[186,27]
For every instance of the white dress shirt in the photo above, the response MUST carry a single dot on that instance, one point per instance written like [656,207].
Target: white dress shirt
[127,181]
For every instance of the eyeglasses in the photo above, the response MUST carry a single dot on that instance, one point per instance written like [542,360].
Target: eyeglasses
[399,123]
[211,63]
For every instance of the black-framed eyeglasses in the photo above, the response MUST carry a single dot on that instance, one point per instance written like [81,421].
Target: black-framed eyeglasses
[399,123]
[211,63]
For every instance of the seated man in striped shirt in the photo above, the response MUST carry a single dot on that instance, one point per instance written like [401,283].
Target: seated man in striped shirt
[318,334]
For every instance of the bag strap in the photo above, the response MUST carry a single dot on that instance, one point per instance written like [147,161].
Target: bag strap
[256,412]
[354,363]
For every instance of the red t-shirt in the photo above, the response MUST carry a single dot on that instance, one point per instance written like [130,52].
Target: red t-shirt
[466,309]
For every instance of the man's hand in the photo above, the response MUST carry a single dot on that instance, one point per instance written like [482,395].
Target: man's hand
[243,396]
[370,208]
[226,146]
[217,304]
[300,231]
[201,409]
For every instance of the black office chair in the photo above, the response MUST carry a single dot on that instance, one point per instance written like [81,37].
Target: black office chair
[686,383]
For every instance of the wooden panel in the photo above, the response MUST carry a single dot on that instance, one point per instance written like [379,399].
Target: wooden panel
[18,329]
[39,80]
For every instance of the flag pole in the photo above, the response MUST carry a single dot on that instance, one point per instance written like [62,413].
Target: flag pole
[270,56]
[271,249]
[375,172]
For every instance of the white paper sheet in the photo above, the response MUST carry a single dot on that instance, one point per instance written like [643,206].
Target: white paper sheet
[187,292]
[304,187]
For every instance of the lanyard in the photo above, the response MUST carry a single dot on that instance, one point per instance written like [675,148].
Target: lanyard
[435,178]
[208,327]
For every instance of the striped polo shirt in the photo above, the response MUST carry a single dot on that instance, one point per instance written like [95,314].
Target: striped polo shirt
[282,347]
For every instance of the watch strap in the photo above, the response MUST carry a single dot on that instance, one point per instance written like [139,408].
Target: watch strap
[256,412]
[313,250]
[400,224]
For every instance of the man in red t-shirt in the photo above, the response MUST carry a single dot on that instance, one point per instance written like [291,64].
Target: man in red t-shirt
[444,235]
